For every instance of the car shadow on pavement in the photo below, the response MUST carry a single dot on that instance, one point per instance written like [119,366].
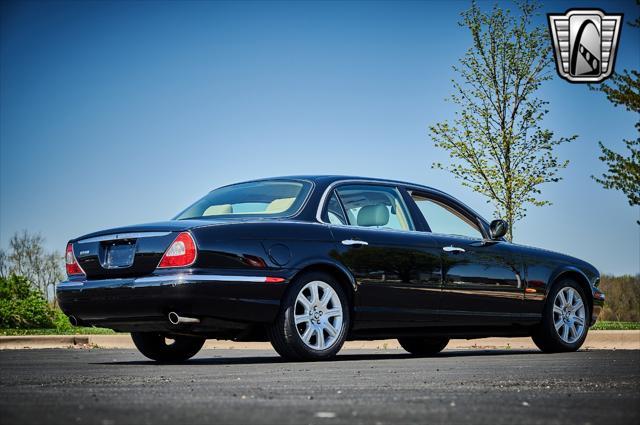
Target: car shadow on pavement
[347,356]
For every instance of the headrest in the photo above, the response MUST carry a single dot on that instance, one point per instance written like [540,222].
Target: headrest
[279,205]
[218,210]
[373,215]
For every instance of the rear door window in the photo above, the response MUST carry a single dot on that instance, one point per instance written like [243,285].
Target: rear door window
[374,206]
[335,213]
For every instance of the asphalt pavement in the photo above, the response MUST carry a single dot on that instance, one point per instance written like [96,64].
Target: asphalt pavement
[110,387]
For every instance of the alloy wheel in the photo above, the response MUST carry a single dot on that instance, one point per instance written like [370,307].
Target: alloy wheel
[569,315]
[318,315]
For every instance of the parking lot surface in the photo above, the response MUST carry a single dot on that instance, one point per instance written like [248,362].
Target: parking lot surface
[108,387]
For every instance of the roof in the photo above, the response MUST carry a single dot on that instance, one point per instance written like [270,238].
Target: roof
[330,178]
[326,180]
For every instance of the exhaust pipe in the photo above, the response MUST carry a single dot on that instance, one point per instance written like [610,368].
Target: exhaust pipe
[175,319]
[73,320]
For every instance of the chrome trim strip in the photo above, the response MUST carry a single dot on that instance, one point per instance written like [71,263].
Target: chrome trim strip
[117,236]
[200,277]
[177,278]
[70,283]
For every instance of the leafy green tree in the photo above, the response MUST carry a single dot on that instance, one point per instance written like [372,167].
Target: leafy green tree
[497,144]
[623,172]
[22,306]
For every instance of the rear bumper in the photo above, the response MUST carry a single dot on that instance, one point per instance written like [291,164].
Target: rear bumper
[221,301]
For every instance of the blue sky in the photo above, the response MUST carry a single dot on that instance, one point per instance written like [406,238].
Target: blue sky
[114,113]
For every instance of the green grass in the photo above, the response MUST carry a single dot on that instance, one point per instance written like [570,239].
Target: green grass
[615,326]
[69,331]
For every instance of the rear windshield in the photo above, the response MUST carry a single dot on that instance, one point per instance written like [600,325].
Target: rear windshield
[269,198]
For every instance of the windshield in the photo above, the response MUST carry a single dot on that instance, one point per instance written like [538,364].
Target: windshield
[268,198]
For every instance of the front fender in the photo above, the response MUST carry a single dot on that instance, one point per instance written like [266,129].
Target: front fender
[588,280]
[569,271]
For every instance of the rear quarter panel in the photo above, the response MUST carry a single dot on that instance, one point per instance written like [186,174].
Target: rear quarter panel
[279,246]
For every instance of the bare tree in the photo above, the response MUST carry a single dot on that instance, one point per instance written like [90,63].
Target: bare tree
[4,264]
[27,257]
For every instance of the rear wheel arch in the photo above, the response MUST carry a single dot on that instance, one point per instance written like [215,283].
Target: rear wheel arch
[339,273]
[284,333]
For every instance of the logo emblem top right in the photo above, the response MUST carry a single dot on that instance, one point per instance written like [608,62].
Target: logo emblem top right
[585,44]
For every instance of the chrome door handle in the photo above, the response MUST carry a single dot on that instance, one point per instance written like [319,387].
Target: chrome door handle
[454,249]
[354,242]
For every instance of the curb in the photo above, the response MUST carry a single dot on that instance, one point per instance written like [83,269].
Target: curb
[596,340]
[44,341]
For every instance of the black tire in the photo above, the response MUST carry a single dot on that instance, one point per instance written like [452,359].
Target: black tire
[545,336]
[284,334]
[423,346]
[154,346]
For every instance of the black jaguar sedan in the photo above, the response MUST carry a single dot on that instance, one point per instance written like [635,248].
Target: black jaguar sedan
[308,262]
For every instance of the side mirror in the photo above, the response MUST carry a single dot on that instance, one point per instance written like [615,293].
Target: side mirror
[497,229]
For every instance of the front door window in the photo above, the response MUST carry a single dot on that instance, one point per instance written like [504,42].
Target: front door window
[445,220]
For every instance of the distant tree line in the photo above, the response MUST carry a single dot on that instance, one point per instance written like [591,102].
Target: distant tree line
[623,298]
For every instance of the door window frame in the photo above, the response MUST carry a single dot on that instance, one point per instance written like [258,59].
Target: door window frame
[420,224]
[332,189]
[456,207]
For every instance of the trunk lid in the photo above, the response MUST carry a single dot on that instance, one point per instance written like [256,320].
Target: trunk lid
[128,251]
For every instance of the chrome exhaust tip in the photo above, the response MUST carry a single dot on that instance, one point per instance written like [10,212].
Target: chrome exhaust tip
[176,319]
[73,320]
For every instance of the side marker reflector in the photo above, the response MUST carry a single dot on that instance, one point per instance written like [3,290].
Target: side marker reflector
[270,279]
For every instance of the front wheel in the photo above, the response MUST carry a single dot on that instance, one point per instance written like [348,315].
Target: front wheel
[314,319]
[423,346]
[565,319]
[161,348]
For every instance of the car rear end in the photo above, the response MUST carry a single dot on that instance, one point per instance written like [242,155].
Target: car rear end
[138,279]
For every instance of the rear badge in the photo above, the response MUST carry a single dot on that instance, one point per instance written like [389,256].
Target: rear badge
[585,43]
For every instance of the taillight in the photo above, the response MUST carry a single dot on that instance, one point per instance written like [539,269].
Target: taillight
[73,268]
[181,253]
